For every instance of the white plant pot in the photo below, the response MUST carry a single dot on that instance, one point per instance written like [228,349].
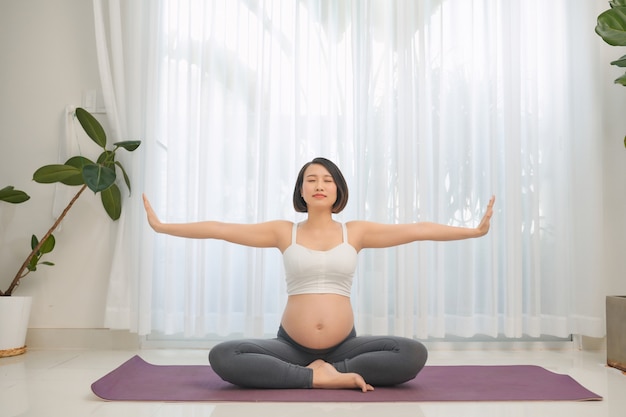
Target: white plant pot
[14,314]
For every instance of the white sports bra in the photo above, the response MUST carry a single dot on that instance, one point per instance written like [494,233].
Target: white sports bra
[311,271]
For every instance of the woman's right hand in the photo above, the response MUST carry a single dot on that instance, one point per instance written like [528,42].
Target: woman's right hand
[153,219]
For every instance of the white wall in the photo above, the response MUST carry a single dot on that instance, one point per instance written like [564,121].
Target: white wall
[47,62]
[611,138]
[614,176]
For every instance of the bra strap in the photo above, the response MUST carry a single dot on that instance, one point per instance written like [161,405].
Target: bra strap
[345,232]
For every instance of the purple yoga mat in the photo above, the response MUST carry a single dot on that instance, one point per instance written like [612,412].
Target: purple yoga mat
[137,380]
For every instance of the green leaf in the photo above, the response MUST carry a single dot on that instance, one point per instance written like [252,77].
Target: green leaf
[612,26]
[112,201]
[32,265]
[92,127]
[34,242]
[129,145]
[77,162]
[98,178]
[620,62]
[107,158]
[617,3]
[10,195]
[47,263]
[621,80]
[54,173]
[48,245]
[126,179]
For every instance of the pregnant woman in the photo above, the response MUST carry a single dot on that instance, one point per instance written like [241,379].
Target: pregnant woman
[316,345]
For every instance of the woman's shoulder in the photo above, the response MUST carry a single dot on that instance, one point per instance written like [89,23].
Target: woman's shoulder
[283,230]
[359,224]
[280,226]
[356,228]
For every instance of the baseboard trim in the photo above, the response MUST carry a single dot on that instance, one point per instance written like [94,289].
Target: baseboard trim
[108,339]
[100,339]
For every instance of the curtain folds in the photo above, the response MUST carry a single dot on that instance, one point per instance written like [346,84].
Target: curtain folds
[428,108]
[124,41]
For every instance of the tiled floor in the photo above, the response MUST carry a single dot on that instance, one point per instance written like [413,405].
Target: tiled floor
[49,383]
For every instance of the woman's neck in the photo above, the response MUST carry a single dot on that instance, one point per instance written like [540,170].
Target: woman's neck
[320,219]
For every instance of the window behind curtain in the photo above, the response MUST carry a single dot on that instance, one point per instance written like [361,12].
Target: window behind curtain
[428,107]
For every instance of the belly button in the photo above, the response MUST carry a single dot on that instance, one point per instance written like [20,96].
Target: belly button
[320,326]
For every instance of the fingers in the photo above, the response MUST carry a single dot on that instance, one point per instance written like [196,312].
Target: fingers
[146,203]
[153,220]
[489,210]
[483,227]
[148,206]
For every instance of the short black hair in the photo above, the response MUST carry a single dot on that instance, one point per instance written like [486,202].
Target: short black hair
[342,187]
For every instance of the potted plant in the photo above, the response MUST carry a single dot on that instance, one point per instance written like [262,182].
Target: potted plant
[612,28]
[99,176]
[13,332]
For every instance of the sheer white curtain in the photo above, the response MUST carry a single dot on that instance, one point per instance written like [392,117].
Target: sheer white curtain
[124,41]
[428,107]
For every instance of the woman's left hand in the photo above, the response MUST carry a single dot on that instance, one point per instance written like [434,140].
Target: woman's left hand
[483,226]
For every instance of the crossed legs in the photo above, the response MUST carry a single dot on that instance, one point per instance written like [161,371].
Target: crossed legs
[358,362]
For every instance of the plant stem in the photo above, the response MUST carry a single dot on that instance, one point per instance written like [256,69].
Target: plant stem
[20,275]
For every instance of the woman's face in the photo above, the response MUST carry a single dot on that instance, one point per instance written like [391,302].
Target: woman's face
[318,187]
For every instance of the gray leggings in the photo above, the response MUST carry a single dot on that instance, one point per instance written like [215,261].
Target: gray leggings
[281,362]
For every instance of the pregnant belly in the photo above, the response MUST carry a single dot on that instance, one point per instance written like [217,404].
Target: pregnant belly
[318,321]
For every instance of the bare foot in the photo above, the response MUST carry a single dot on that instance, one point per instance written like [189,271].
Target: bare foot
[326,376]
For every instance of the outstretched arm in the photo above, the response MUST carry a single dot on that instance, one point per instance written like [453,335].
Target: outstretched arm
[260,235]
[377,235]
